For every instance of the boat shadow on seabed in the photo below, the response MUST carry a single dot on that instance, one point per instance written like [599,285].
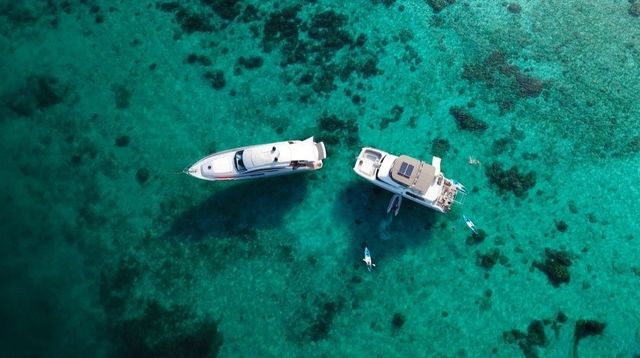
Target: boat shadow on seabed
[243,205]
[363,209]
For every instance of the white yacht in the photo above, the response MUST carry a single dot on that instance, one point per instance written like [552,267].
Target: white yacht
[410,178]
[259,161]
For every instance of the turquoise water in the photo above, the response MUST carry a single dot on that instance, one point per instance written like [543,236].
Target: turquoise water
[107,250]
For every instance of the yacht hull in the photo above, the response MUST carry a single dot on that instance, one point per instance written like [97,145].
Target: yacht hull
[419,182]
[260,161]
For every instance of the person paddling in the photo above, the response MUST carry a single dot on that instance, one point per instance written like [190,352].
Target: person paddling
[367,259]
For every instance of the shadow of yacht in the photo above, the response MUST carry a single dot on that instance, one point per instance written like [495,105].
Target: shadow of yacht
[362,207]
[240,208]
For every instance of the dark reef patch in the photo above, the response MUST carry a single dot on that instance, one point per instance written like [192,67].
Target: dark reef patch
[142,175]
[555,266]
[167,332]
[324,45]
[466,121]
[250,62]
[122,96]
[313,323]
[334,130]
[39,93]
[326,28]
[514,8]
[398,320]
[490,258]
[439,5]
[508,82]
[193,58]
[511,179]
[386,3]
[586,328]
[190,21]
[117,283]
[226,9]
[122,141]
[503,145]
[215,79]
[396,114]
[440,147]
[529,342]
[561,225]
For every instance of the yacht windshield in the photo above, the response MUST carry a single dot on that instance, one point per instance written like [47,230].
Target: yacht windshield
[239,163]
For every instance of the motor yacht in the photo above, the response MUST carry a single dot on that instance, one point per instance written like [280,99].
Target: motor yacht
[410,178]
[260,161]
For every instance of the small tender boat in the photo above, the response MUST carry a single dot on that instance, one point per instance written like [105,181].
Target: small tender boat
[260,161]
[410,178]
[470,224]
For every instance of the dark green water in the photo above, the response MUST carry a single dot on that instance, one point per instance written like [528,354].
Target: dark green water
[107,250]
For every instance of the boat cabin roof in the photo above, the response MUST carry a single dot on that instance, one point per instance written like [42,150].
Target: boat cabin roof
[413,174]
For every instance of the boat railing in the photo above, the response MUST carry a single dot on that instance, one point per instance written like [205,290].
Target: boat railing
[460,197]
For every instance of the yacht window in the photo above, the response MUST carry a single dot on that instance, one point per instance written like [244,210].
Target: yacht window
[239,163]
[405,170]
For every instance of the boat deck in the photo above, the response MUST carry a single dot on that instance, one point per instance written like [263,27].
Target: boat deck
[369,162]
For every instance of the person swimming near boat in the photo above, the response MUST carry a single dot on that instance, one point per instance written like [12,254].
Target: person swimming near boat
[473,161]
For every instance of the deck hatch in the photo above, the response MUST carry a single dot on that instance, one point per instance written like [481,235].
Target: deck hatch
[406,169]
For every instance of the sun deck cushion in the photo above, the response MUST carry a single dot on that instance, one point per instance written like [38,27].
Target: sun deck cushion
[413,173]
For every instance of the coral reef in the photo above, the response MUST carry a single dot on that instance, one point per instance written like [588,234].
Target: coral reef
[555,266]
[387,3]
[167,332]
[488,259]
[327,29]
[514,8]
[334,130]
[317,44]
[321,314]
[586,328]
[508,82]
[226,9]
[398,320]
[250,62]
[39,93]
[189,22]
[203,60]
[215,79]
[529,342]
[561,225]
[440,147]
[510,180]
[439,5]
[466,121]
[122,141]
[502,145]
[396,114]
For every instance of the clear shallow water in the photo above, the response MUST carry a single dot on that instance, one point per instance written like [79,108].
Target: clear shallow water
[108,251]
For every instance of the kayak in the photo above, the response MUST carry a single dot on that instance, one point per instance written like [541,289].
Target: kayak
[470,224]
